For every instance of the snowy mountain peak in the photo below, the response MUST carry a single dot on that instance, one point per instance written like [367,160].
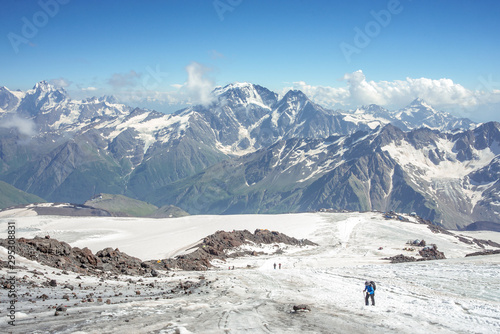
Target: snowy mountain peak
[418,110]
[44,86]
[373,109]
[44,89]
[136,145]
[8,100]
[293,102]
[245,88]
[418,102]
[295,95]
[290,109]
[234,85]
[108,98]
[246,93]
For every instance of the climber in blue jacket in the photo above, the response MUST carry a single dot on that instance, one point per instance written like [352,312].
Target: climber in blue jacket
[370,293]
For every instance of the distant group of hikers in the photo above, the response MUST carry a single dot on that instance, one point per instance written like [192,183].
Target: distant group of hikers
[278,265]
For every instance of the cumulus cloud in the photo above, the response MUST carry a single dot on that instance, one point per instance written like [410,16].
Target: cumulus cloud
[144,89]
[89,89]
[23,125]
[440,93]
[323,95]
[60,82]
[198,86]
[122,80]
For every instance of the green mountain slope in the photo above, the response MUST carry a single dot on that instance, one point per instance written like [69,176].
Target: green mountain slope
[169,211]
[120,205]
[10,196]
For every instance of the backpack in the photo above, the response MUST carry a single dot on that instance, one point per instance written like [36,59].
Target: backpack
[374,286]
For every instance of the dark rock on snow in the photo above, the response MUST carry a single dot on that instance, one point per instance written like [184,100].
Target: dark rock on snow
[216,245]
[61,255]
[301,308]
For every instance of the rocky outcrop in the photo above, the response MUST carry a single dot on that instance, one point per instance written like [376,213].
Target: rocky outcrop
[112,260]
[435,228]
[482,243]
[215,246]
[431,253]
[61,255]
[487,252]
[301,308]
[426,253]
[401,258]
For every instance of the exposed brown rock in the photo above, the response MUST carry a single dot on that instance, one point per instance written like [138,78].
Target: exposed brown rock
[61,255]
[431,253]
[401,258]
[486,252]
[301,308]
[426,253]
[215,246]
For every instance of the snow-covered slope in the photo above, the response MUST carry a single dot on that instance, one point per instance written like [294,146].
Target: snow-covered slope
[449,178]
[416,115]
[445,296]
[64,150]
[9,100]
[419,113]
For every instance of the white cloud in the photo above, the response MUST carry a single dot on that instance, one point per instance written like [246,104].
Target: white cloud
[60,82]
[323,95]
[354,90]
[198,86]
[440,93]
[196,90]
[23,125]
[89,89]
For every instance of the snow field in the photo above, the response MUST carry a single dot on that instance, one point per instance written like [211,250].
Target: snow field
[457,295]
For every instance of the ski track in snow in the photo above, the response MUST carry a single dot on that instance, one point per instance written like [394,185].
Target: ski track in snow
[457,295]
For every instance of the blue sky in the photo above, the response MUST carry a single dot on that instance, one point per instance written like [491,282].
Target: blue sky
[444,51]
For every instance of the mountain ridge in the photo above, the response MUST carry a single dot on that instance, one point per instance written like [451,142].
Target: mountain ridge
[11,196]
[74,149]
[362,172]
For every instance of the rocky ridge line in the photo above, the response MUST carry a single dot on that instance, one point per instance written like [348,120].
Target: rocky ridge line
[216,246]
[109,261]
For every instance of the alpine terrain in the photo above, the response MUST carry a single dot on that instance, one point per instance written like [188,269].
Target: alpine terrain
[252,151]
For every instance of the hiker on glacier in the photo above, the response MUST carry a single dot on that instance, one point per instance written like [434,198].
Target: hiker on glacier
[370,292]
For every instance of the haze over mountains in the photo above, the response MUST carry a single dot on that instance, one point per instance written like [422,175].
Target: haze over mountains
[252,151]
